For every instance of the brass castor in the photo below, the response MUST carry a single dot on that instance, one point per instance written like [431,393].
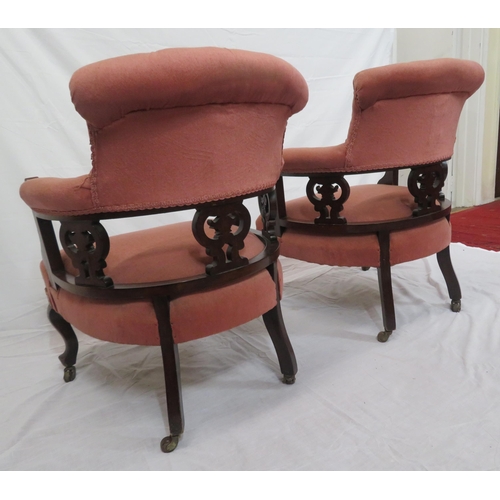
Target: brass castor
[384,336]
[456,305]
[288,379]
[69,374]
[169,444]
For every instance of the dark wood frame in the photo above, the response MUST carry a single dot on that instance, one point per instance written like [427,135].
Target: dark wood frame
[425,183]
[86,242]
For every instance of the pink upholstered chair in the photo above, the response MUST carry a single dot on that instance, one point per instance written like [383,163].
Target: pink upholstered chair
[404,116]
[171,130]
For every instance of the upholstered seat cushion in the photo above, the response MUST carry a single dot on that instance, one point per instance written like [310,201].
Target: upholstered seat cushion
[159,254]
[367,203]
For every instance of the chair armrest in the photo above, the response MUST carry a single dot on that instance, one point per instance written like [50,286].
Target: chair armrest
[220,228]
[311,161]
[54,196]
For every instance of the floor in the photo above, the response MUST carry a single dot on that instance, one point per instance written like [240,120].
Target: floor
[428,399]
[478,226]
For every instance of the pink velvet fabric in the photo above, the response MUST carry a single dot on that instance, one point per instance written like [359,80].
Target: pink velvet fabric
[414,130]
[402,115]
[176,127]
[56,195]
[434,76]
[165,253]
[312,161]
[187,156]
[106,91]
[364,250]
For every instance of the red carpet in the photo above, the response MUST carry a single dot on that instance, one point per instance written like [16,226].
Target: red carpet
[478,226]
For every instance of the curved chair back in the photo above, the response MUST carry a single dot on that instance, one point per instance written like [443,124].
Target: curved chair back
[177,127]
[183,126]
[407,114]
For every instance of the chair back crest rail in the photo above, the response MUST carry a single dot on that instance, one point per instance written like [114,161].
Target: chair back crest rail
[407,113]
[86,242]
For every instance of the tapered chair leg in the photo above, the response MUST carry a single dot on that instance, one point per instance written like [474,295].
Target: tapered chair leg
[277,331]
[171,368]
[385,287]
[68,357]
[387,301]
[444,261]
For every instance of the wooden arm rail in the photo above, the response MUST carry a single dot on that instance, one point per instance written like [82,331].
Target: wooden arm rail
[367,227]
[87,244]
[425,183]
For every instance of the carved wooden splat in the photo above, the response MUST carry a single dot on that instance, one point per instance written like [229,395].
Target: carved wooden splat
[87,245]
[425,183]
[330,203]
[268,205]
[231,224]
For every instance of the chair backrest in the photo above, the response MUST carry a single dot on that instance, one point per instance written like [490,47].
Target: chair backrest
[185,126]
[407,114]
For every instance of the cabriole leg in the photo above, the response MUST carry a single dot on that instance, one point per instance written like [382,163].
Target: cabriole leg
[275,325]
[444,261]
[68,357]
[286,357]
[171,369]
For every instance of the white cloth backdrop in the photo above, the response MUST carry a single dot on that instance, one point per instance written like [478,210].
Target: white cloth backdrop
[428,399]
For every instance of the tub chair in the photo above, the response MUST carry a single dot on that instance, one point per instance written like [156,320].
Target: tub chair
[404,116]
[172,130]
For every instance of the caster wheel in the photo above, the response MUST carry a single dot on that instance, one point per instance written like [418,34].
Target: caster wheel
[69,374]
[365,268]
[169,443]
[456,305]
[383,336]
[288,379]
